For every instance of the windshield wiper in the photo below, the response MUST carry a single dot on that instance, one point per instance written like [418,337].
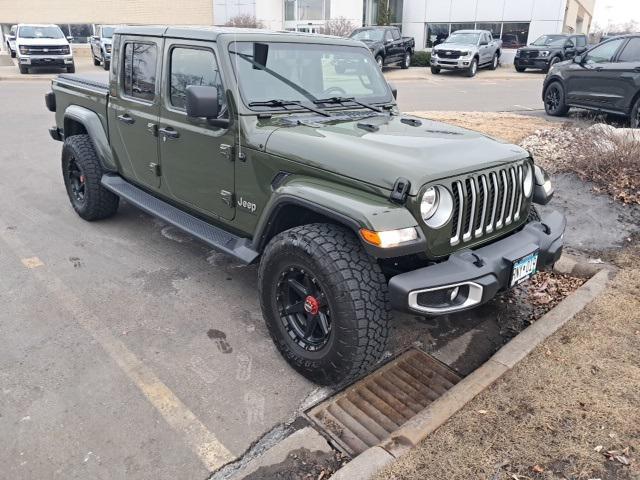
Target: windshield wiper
[347,100]
[285,103]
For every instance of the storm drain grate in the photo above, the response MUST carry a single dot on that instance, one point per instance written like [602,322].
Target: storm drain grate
[368,412]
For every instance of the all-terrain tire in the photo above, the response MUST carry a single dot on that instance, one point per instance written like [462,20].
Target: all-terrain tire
[356,296]
[98,202]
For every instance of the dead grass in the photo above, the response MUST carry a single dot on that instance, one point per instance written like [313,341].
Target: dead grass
[510,127]
[559,412]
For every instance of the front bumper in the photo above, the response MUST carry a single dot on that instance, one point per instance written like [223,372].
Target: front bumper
[453,64]
[541,63]
[46,60]
[478,274]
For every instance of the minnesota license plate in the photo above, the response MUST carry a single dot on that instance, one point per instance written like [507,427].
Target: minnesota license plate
[524,269]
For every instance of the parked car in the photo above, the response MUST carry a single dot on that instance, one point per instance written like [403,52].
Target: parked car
[11,41]
[548,50]
[101,45]
[467,50]
[250,143]
[387,45]
[605,79]
[43,46]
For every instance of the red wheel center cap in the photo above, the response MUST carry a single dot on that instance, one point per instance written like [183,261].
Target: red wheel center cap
[311,305]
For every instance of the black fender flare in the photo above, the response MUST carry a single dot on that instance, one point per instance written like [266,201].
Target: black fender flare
[93,126]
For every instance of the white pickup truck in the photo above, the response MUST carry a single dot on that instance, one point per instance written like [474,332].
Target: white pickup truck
[467,50]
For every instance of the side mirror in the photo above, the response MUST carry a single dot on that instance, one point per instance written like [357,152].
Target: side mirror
[578,59]
[394,90]
[202,102]
[70,38]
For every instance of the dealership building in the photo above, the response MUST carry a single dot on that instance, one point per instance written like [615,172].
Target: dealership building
[516,22]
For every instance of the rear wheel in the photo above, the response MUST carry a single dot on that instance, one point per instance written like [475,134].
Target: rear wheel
[82,173]
[473,68]
[325,302]
[554,100]
[406,63]
[106,64]
[635,114]
[495,62]
[435,70]
[380,61]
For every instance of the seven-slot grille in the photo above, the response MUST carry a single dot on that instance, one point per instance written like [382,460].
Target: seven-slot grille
[486,202]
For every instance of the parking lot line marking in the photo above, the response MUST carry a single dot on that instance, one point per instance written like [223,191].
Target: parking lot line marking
[32,262]
[522,107]
[209,449]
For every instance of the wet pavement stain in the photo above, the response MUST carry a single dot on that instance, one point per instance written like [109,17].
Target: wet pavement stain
[220,339]
[160,282]
[77,263]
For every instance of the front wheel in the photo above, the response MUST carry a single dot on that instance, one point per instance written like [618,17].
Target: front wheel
[435,70]
[106,64]
[520,69]
[380,61]
[325,302]
[13,54]
[635,115]
[24,69]
[96,61]
[473,68]
[71,69]
[82,172]
[406,63]
[554,100]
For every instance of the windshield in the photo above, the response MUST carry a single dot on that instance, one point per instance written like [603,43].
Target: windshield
[463,38]
[304,72]
[371,35]
[546,40]
[107,32]
[40,32]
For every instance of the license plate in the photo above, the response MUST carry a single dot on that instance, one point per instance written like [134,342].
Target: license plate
[524,269]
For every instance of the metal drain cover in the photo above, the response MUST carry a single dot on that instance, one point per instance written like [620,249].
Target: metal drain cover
[368,412]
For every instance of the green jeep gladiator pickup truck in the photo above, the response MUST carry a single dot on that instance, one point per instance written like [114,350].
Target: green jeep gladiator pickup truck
[254,143]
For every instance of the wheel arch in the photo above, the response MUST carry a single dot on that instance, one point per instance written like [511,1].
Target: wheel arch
[78,121]
[635,98]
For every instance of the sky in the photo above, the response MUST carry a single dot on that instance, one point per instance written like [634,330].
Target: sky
[616,11]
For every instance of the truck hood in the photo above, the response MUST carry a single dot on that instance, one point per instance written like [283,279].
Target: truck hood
[382,149]
[458,47]
[42,41]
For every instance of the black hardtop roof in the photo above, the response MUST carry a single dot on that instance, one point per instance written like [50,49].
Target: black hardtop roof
[241,34]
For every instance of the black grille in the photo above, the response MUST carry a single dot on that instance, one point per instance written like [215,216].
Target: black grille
[486,202]
[529,54]
[46,50]
[448,54]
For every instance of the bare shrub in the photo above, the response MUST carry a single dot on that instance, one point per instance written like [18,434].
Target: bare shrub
[244,21]
[340,27]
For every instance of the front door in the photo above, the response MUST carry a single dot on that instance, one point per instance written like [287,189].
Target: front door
[135,109]
[197,159]
[590,82]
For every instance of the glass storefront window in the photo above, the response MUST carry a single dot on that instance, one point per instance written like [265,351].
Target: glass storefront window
[290,9]
[514,35]
[436,34]
[462,26]
[81,32]
[301,10]
[494,28]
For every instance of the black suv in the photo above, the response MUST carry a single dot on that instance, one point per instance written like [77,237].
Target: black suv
[605,79]
[548,50]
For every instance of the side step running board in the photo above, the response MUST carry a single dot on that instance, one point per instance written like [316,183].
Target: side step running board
[226,242]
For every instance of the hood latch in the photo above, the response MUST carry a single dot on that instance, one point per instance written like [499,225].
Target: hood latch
[400,191]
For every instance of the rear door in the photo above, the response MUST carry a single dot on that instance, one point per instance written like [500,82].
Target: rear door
[397,45]
[134,110]
[197,159]
[627,68]
[485,51]
[591,83]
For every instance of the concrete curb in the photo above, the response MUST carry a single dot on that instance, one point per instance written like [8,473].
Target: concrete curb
[367,464]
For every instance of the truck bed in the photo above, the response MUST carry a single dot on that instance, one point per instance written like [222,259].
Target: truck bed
[90,91]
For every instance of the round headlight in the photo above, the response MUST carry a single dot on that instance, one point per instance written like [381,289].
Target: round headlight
[527,184]
[436,206]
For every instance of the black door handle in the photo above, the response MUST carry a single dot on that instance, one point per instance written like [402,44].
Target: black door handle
[168,132]
[599,69]
[637,69]
[126,119]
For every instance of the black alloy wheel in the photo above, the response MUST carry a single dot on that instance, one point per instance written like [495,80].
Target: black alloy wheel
[554,103]
[304,310]
[77,185]
[635,115]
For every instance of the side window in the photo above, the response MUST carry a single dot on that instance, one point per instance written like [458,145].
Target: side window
[605,52]
[115,52]
[631,52]
[395,33]
[190,66]
[139,72]
[387,36]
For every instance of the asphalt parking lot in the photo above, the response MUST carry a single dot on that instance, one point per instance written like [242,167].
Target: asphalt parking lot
[130,350]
